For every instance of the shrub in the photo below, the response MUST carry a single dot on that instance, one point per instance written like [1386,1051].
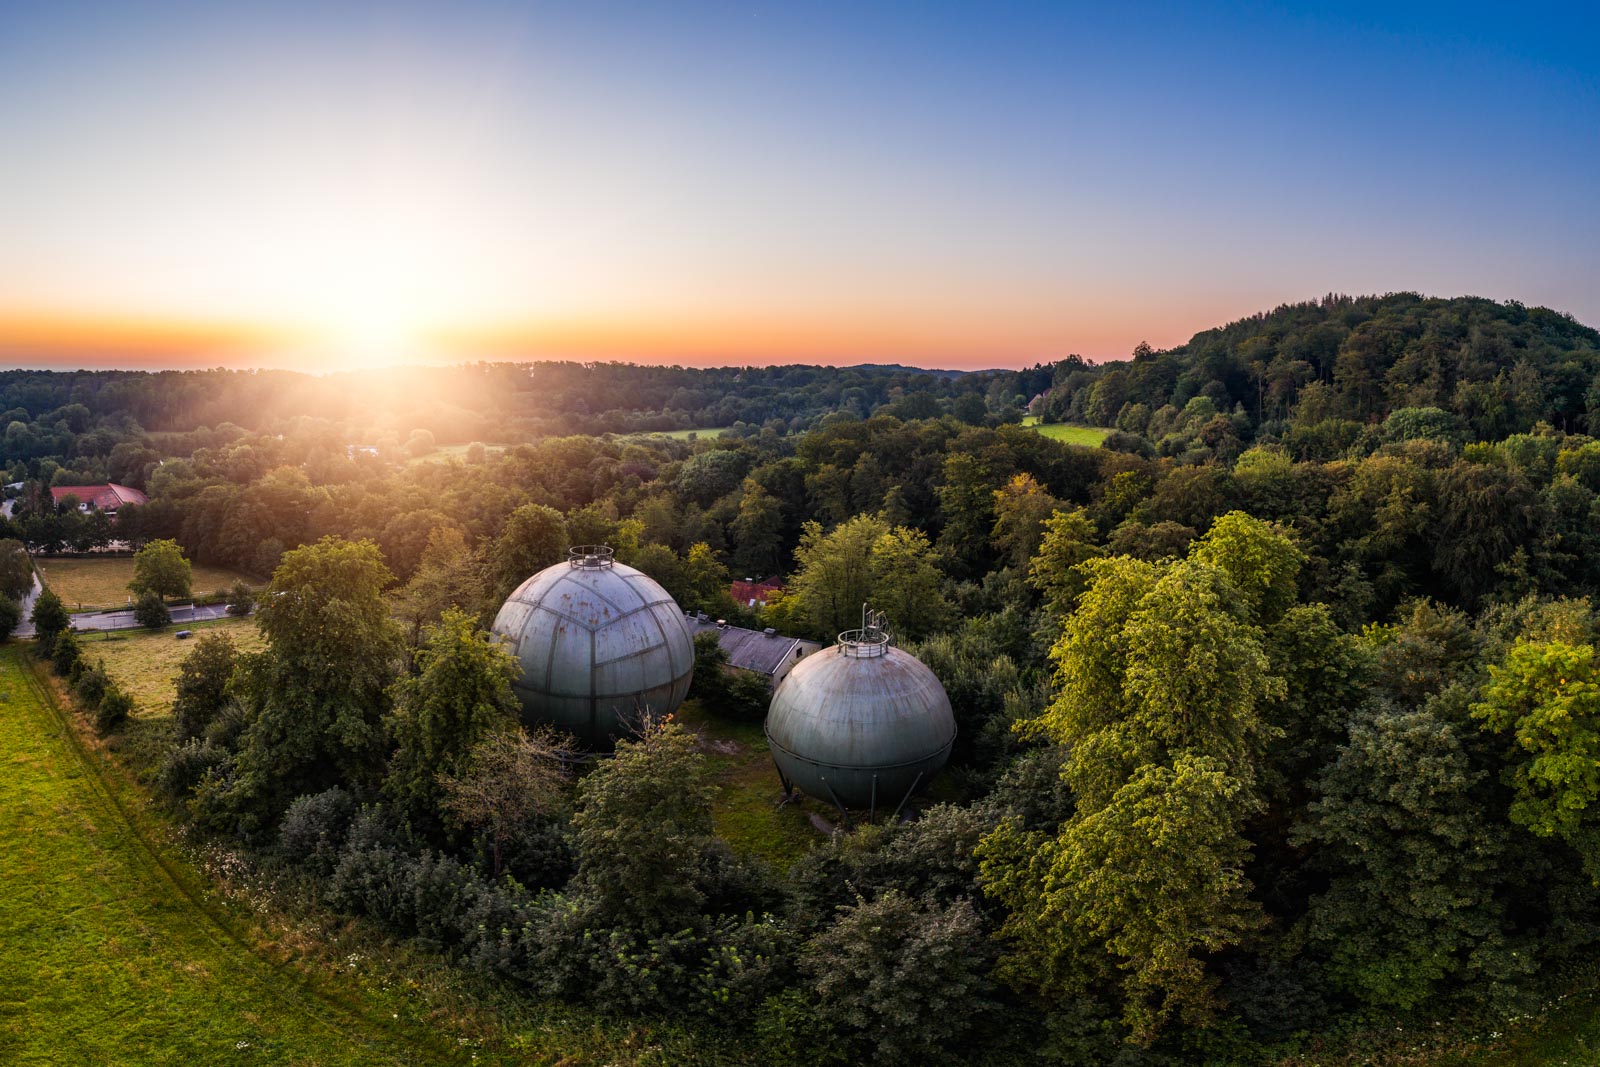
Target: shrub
[187,764]
[902,979]
[227,729]
[375,882]
[150,612]
[203,681]
[91,685]
[241,600]
[65,656]
[114,708]
[50,620]
[314,829]
[10,616]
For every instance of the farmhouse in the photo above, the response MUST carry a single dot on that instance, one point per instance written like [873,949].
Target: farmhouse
[754,594]
[107,498]
[765,652]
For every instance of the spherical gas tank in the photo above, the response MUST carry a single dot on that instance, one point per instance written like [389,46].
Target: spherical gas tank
[600,645]
[860,724]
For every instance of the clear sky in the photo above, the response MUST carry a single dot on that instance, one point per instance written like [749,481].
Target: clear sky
[989,184]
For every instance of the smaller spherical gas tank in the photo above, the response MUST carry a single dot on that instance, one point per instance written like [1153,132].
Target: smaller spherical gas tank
[599,644]
[861,724]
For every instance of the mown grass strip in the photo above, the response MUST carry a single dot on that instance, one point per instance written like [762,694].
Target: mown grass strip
[111,951]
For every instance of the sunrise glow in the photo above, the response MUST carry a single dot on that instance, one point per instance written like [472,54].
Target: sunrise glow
[329,186]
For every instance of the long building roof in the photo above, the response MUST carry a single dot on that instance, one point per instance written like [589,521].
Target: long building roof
[107,497]
[754,650]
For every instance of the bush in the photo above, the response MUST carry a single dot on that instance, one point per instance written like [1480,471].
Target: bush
[50,620]
[241,600]
[91,685]
[186,765]
[65,656]
[314,829]
[730,693]
[375,882]
[902,979]
[150,612]
[10,616]
[227,729]
[203,679]
[114,708]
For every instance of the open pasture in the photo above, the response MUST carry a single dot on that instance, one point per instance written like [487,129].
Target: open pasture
[1088,436]
[91,583]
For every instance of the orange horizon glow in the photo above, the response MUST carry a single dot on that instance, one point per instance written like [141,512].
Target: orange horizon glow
[58,340]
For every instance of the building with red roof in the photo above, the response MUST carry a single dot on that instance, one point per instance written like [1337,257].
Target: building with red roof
[107,498]
[754,594]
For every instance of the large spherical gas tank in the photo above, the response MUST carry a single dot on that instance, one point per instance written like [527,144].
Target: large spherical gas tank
[599,643]
[861,724]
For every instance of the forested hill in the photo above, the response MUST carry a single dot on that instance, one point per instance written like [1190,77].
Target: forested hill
[1326,368]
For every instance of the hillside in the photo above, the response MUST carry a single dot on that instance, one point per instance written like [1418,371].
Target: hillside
[1495,368]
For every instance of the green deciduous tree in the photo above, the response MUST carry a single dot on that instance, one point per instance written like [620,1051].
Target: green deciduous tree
[151,612]
[1412,902]
[319,692]
[1162,683]
[1133,894]
[1546,696]
[16,570]
[906,584]
[758,532]
[160,570]
[1259,558]
[49,619]
[460,693]
[203,679]
[643,826]
[1021,507]
[1068,540]
[835,573]
[534,537]
[507,780]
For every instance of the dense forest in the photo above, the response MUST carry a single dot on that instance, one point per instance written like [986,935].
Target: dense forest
[1279,713]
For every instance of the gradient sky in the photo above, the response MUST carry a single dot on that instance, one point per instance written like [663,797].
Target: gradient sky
[331,184]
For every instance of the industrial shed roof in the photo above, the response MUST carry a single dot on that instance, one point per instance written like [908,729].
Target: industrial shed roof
[754,650]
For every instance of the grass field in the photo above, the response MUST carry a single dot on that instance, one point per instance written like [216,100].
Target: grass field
[448,452]
[1089,436]
[119,945]
[110,955]
[87,584]
[683,435]
[747,815]
[145,662]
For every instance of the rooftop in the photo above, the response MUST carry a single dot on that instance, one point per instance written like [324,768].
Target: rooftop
[754,650]
[107,497]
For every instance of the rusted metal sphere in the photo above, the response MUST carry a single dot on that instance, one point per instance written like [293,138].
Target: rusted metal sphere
[860,724]
[600,644]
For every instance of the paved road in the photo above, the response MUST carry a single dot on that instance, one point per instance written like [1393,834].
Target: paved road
[124,620]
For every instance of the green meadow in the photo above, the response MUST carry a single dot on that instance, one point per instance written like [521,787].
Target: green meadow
[1088,436]
[120,946]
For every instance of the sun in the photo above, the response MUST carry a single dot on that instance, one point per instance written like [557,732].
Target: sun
[374,312]
[375,333]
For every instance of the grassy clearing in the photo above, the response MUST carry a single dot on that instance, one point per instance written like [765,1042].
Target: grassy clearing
[145,662]
[684,435]
[1088,436]
[747,815]
[122,945]
[444,453]
[95,582]
[109,953]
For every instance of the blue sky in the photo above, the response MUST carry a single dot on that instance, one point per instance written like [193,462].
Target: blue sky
[952,185]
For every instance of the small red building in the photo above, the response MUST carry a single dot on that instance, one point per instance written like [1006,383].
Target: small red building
[755,594]
[107,498]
